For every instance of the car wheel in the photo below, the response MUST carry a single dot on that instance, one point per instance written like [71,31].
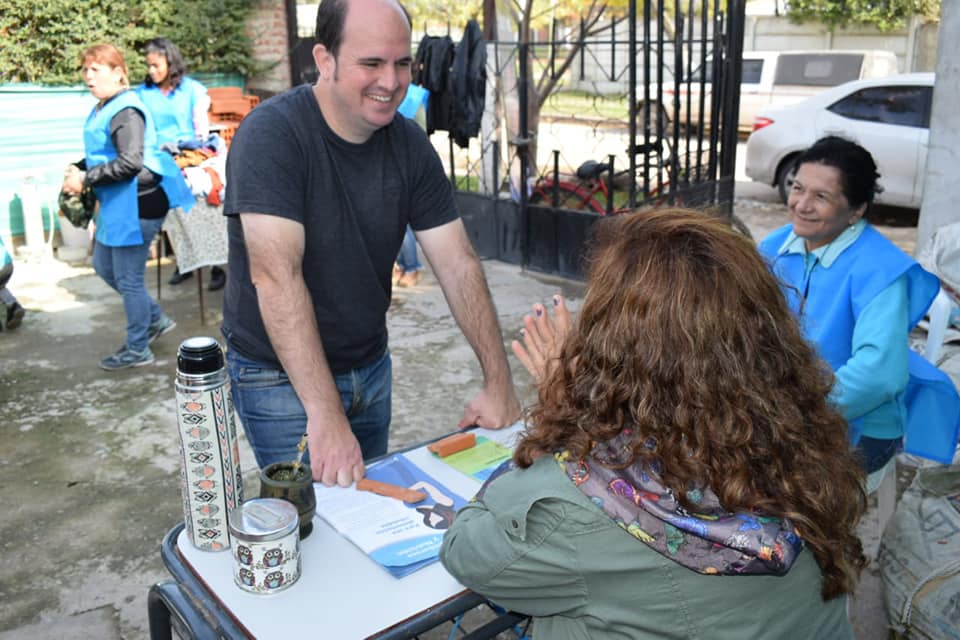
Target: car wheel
[788,170]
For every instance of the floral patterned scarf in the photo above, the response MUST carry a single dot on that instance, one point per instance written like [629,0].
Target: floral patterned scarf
[711,541]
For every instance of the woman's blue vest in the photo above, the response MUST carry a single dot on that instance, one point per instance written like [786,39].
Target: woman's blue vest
[118,220]
[172,113]
[836,297]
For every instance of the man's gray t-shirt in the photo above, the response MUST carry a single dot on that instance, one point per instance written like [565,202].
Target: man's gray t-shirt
[354,202]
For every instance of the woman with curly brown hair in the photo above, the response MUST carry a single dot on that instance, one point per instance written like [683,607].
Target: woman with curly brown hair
[683,474]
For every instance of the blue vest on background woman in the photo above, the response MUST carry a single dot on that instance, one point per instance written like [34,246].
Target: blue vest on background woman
[118,220]
[835,297]
[173,112]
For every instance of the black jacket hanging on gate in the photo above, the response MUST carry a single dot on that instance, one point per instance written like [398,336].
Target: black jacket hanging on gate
[469,83]
[431,70]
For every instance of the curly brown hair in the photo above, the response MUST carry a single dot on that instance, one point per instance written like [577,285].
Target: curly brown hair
[685,335]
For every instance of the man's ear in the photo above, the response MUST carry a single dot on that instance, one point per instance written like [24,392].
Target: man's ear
[324,60]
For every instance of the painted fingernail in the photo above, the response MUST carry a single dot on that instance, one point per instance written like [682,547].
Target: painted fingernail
[523,332]
[539,310]
[556,301]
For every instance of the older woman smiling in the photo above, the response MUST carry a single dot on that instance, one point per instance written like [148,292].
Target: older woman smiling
[857,296]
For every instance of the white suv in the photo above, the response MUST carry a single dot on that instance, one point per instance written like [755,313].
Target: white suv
[889,116]
[779,78]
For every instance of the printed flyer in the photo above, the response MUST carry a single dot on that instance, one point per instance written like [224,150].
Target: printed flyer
[400,536]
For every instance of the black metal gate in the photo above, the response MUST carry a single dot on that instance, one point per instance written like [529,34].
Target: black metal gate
[661,129]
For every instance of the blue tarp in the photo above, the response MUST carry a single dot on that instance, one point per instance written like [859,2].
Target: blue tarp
[41,129]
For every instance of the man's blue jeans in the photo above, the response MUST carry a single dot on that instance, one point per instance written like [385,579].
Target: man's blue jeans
[123,268]
[273,417]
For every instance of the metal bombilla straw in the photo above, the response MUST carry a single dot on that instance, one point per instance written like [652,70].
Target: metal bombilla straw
[300,449]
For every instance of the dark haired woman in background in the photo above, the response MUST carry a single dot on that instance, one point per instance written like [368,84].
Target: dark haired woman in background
[857,296]
[683,474]
[179,105]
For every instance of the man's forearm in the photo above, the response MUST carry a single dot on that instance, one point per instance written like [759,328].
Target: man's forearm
[288,316]
[465,288]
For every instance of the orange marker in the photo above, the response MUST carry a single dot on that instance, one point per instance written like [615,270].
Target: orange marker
[391,490]
[453,444]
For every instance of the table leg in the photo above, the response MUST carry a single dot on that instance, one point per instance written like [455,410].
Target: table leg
[203,314]
[168,607]
[159,250]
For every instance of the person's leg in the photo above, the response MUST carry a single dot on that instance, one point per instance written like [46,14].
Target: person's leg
[7,298]
[129,266]
[409,262]
[218,278]
[268,408]
[15,311]
[273,417]
[366,396]
[103,264]
[408,259]
[875,453]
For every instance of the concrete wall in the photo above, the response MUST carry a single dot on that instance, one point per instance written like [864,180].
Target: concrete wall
[941,191]
[915,47]
[267,27]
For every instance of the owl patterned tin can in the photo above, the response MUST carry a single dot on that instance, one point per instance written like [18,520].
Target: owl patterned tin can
[266,545]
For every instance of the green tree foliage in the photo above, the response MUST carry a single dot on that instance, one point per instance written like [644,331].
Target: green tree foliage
[41,40]
[882,14]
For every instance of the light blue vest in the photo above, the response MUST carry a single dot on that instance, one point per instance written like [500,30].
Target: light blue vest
[118,223]
[173,113]
[835,297]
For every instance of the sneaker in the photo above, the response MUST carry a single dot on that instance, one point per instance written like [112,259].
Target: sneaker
[218,278]
[409,279]
[178,277]
[126,358]
[160,327]
[14,315]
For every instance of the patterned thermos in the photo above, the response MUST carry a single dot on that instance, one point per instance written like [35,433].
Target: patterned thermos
[209,458]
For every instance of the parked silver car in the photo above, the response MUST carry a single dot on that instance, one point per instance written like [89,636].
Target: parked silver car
[889,116]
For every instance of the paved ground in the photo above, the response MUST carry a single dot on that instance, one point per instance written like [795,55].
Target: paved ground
[89,462]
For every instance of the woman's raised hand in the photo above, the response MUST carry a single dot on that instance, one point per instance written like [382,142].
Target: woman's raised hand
[543,338]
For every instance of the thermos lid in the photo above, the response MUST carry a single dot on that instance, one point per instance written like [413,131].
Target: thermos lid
[263,520]
[199,355]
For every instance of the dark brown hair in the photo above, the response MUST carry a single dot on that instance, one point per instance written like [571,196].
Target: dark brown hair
[176,67]
[685,335]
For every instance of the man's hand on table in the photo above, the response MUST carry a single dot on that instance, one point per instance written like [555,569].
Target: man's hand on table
[495,407]
[335,456]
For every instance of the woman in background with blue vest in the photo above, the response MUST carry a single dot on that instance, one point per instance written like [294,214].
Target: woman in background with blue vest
[177,102]
[857,296]
[179,106]
[135,185]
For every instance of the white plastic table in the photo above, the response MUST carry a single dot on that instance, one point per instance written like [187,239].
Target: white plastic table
[341,593]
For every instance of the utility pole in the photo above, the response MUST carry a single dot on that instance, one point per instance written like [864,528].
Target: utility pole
[941,189]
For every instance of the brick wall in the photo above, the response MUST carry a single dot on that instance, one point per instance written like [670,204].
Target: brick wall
[267,27]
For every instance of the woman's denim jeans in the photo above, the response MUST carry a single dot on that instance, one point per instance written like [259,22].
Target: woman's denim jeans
[408,259]
[123,268]
[273,417]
